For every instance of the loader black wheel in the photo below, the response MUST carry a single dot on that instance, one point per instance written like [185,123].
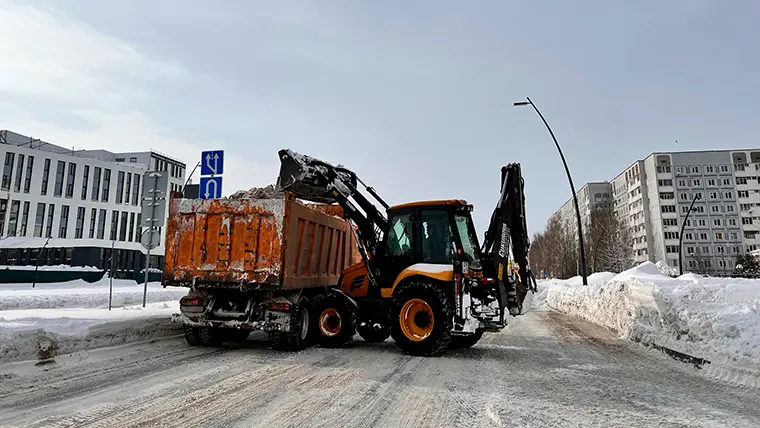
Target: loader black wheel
[296,338]
[372,334]
[462,342]
[421,319]
[192,335]
[210,336]
[336,321]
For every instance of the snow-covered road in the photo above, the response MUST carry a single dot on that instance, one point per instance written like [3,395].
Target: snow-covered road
[545,370]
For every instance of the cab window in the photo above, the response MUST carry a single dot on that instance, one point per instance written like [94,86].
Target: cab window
[437,240]
[399,242]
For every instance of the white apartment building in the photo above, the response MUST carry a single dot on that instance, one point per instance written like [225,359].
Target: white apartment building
[75,204]
[590,197]
[652,197]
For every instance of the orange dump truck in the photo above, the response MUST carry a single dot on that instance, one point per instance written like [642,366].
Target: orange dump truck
[254,264]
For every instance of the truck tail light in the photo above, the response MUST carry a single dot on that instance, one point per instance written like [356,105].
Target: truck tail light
[191,301]
[279,306]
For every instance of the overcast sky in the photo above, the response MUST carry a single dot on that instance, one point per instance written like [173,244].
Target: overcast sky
[416,96]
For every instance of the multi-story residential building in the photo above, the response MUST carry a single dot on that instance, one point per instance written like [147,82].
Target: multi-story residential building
[76,204]
[590,197]
[652,197]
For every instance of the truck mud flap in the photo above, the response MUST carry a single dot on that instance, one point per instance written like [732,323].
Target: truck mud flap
[243,325]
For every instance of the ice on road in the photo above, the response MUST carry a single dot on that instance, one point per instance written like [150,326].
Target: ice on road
[545,370]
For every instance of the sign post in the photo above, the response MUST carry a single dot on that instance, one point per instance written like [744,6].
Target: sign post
[212,168]
[153,216]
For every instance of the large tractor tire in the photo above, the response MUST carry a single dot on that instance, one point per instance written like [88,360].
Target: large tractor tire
[335,321]
[296,338]
[463,342]
[421,319]
[372,334]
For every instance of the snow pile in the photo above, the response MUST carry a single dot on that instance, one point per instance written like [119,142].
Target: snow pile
[58,318]
[713,318]
[268,192]
[666,269]
[54,268]
[81,294]
[45,333]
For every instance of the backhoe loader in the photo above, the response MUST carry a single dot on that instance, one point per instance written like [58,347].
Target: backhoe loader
[423,279]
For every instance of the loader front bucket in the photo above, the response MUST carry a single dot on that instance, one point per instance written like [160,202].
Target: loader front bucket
[308,178]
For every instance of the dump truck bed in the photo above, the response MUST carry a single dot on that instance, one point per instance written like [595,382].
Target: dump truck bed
[277,243]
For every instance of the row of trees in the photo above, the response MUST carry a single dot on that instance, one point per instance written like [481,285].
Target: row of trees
[607,242]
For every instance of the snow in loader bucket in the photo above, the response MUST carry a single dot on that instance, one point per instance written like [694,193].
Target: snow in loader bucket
[307,177]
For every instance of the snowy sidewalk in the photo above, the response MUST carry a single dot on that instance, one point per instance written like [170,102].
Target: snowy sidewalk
[74,316]
[81,294]
[717,319]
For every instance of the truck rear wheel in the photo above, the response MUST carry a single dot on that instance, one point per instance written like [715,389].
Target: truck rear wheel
[297,337]
[192,335]
[462,342]
[210,336]
[421,319]
[335,323]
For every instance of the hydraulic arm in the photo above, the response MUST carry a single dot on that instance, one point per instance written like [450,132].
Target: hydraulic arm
[319,181]
[507,226]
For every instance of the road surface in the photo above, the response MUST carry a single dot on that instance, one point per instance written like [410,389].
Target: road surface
[545,370]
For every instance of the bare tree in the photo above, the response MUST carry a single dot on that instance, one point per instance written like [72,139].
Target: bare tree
[610,242]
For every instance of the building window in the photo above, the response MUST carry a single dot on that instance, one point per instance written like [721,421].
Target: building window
[666,182]
[136,190]
[703,236]
[711,182]
[120,159]
[719,236]
[39,219]
[85,177]
[63,227]
[726,181]
[8,171]
[670,249]
[695,170]
[709,169]
[24,218]
[95,184]
[713,195]
[728,195]
[120,187]
[732,222]
[49,228]
[669,222]
[741,180]
[106,184]
[59,171]
[671,235]
[13,218]
[101,224]
[70,180]
[668,208]
[716,222]
[93,218]
[114,224]
[667,195]
[132,160]
[734,236]
[131,226]
[123,226]
[128,188]
[29,169]
[714,208]
[78,231]
[138,229]
[19,173]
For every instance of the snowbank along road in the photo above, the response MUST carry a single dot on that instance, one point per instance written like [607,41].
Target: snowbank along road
[544,370]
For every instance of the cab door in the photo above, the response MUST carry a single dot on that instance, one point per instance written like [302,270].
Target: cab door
[399,248]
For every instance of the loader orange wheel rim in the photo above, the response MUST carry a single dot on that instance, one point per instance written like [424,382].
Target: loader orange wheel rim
[330,322]
[416,320]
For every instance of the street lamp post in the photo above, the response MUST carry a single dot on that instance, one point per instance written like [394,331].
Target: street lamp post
[581,248]
[680,235]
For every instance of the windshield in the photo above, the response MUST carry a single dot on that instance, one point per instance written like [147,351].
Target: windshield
[468,237]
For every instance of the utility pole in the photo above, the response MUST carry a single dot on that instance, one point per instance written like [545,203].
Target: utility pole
[581,249]
[680,235]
